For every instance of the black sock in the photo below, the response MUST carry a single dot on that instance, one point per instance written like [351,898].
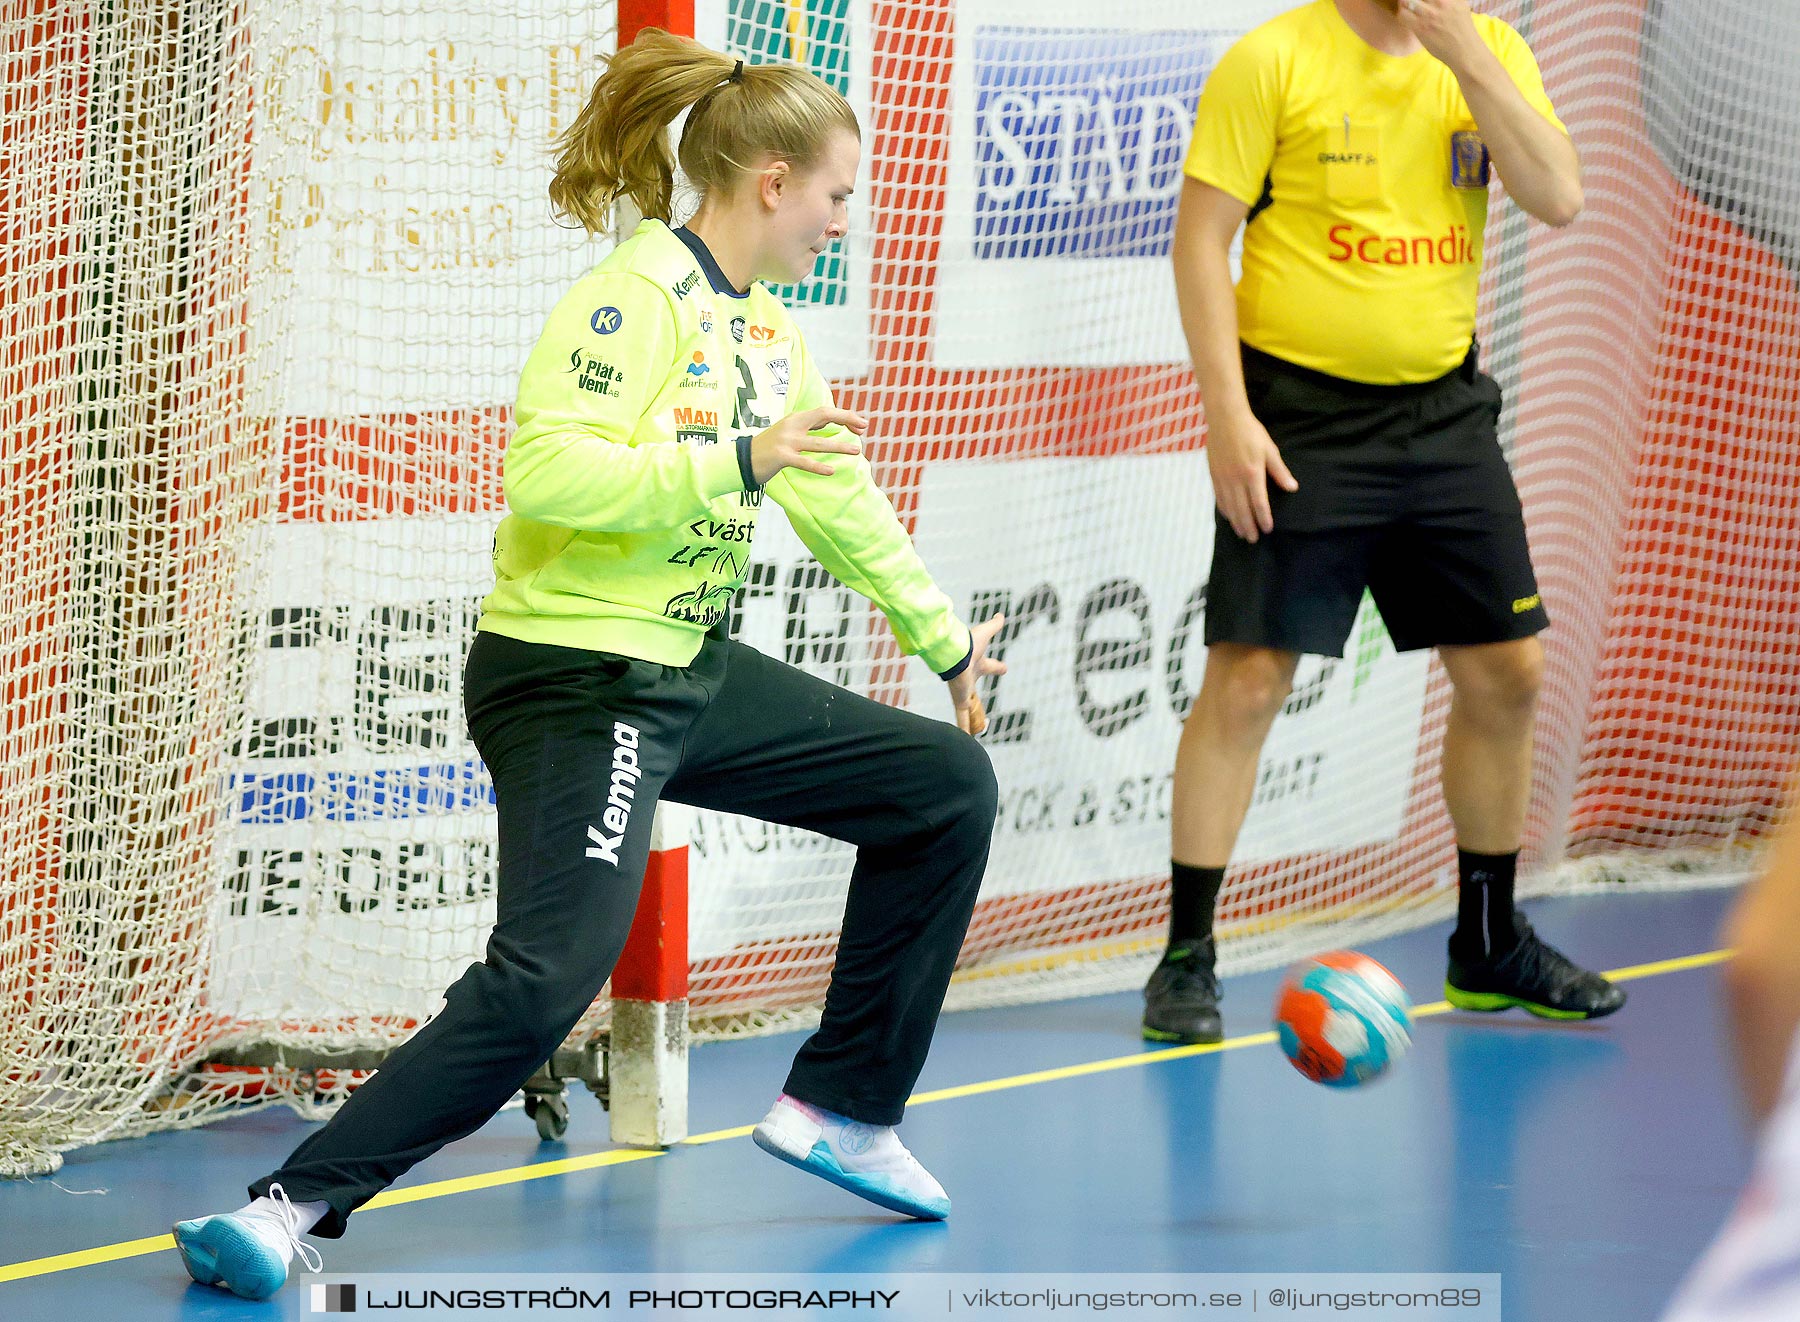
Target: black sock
[1484,904]
[1193,892]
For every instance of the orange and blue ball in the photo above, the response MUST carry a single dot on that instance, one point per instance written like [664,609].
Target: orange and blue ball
[1342,1018]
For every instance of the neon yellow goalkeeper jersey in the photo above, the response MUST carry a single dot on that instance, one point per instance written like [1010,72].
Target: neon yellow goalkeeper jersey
[628,475]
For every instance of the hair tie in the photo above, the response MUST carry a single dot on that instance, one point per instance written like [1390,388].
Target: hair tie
[737,73]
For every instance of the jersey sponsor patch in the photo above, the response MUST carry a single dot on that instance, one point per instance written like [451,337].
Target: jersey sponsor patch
[596,377]
[704,605]
[1469,163]
[1351,243]
[780,371]
[606,320]
[698,367]
[696,426]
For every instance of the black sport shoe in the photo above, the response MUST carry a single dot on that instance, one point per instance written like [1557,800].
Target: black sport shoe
[1532,976]
[1181,1000]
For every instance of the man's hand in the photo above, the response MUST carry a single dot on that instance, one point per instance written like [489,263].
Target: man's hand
[1443,27]
[1532,155]
[1243,458]
[970,718]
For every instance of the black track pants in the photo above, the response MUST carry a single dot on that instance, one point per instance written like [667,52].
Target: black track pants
[581,746]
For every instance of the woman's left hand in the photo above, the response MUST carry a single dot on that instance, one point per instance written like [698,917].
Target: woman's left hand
[970,717]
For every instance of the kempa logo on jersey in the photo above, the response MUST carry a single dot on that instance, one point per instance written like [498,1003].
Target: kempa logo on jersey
[626,773]
[1452,248]
[687,284]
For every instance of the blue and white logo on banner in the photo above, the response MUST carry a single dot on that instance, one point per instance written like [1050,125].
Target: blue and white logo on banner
[1080,138]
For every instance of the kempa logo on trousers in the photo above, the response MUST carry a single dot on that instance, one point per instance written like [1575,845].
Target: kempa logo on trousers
[625,776]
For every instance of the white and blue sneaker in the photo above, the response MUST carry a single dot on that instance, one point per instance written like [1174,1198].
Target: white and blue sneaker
[868,1160]
[248,1251]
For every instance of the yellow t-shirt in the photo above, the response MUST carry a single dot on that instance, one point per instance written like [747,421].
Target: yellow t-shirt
[1363,256]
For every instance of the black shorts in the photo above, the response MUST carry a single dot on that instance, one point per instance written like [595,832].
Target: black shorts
[1404,492]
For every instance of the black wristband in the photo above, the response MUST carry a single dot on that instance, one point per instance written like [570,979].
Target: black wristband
[745,470]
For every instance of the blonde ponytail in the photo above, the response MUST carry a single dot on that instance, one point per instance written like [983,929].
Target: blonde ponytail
[618,146]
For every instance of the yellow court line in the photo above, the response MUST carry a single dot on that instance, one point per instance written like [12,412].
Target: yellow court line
[617,1157]
[391,1198]
[1671,965]
[542,1170]
[1136,1061]
[62,1262]
[717,1136]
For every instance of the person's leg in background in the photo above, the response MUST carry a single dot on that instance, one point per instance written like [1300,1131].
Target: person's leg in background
[1241,693]
[1456,574]
[1267,603]
[1497,961]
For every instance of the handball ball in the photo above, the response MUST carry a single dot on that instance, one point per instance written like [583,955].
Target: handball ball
[1342,1018]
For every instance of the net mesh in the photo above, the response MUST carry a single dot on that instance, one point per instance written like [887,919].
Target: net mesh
[271,270]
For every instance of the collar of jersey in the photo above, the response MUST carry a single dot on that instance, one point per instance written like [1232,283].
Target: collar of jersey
[710,268]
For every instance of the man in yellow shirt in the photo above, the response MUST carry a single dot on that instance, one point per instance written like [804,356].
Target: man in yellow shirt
[1351,440]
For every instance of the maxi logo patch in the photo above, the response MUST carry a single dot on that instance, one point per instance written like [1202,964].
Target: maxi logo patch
[696,426]
[1080,135]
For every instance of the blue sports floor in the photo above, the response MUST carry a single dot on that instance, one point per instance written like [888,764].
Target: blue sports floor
[1587,1164]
